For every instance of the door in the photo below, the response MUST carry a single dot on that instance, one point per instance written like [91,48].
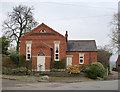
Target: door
[40,63]
[69,61]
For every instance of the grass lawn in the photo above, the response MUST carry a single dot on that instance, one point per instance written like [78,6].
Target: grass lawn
[51,79]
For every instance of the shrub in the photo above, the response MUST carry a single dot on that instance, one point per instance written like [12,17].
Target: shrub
[58,64]
[15,58]
[101,69]
[29,72]
[7,62]
[73,69]
[6,70]
[22,61]
[92,72]
[95,70]
[54,70]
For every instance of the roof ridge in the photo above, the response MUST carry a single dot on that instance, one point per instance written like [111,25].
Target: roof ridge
[81,40]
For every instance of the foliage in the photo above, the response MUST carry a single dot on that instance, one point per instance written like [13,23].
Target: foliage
[51,64]
[16,71]
[104,55]
[19,22]
[73,69]
[6,70]
[7,62]
[95,70]
[14,56]
[54,70]
[58,64]
[84,68]
[5,45]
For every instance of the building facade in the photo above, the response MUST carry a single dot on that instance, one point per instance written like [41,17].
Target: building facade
[43,43]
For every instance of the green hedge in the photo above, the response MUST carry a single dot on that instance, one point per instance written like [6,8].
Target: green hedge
[93,70]
[57,64]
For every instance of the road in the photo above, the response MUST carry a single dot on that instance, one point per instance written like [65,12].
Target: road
[91,85]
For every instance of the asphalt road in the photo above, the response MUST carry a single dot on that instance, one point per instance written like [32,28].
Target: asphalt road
[91,85]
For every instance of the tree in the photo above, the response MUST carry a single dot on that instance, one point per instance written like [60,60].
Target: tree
[5,45]
[19,22]
[104,55]
[115,37]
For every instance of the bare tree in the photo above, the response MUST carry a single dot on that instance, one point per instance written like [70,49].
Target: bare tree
[19,22]
[115,31]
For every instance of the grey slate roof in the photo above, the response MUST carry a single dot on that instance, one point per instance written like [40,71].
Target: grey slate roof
[81,45]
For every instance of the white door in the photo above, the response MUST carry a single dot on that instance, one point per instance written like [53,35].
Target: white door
[40,63]
[69,61]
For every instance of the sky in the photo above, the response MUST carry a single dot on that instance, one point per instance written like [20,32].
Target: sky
[84,20]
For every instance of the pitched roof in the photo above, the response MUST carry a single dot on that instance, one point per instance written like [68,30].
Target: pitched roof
[31,32]
[81,45]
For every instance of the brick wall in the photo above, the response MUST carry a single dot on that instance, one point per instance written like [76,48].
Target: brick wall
[87,55]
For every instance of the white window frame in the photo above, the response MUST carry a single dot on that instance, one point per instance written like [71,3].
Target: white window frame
[56,44]
[28,44]
[81,55]
[42,30]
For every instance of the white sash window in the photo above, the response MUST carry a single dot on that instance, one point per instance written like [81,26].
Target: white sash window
[56,51]
[28,51]
[81,58]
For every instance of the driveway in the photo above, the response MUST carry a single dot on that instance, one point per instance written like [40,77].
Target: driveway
[91,85]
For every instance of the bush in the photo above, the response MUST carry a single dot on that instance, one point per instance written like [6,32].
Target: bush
[7,62]
[6,70]
[15,58]
[54,70]
[16,71]
[58,64]
[95,70]
[92,72]
[73,69]
[101,69]
[84,68]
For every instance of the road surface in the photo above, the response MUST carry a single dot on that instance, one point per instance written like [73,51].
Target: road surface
[91,85]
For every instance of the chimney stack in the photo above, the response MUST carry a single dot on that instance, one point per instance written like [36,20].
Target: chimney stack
[66,36]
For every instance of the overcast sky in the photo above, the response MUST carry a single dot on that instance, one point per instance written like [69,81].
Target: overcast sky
[82,20]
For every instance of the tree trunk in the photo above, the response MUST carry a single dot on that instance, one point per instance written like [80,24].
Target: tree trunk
[17,47]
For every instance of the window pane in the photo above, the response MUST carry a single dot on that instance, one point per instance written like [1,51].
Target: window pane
[28,56]
[81,61]
[56,49]
[56,55]
[81,57]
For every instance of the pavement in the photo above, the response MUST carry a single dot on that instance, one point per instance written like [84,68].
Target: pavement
[90,85]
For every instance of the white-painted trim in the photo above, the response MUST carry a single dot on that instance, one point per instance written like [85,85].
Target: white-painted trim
[45,56]
[42,32]
[69,61]
[69,55]
[81,54]
[28,44]
[56,44]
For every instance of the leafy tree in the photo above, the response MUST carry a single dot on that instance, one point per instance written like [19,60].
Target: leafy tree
[5,45]
[19,22]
